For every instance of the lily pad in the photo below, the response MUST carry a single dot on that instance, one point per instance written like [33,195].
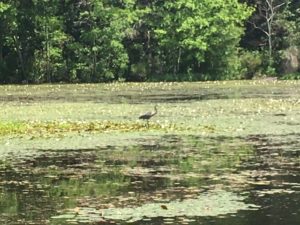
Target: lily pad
[213,203]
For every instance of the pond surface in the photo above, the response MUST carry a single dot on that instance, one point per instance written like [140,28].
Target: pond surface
[166,179]
[216,153]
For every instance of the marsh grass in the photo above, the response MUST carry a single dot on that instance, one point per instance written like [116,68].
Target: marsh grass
[42,129]
[232,108]
[11,128]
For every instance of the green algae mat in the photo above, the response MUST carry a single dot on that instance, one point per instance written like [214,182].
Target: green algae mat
[235,108]
[216,152]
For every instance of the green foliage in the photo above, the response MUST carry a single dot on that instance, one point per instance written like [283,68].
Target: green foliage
[196,40]
[291,76]
[96,41]
[283,32]
[288,23]
[49,64]
[100,53]
[7,26]
[251,62]
[4,7]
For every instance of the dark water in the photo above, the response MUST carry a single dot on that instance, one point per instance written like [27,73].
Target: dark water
[265,170]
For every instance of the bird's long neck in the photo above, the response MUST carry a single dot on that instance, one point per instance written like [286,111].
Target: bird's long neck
[155,110]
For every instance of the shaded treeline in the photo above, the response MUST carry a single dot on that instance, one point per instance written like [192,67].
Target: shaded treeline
[136,40]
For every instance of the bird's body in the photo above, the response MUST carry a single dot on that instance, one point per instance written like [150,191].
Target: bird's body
[148,115]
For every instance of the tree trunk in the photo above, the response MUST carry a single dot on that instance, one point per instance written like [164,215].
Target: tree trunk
[21,59]
[267,10]
[48,75]
[178,59]
[1,54]
[149,54]
[94,55]
[270,43]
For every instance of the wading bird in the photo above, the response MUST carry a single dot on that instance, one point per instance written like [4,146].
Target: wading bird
[148,115]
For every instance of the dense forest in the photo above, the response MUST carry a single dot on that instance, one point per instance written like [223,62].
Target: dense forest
[147,40]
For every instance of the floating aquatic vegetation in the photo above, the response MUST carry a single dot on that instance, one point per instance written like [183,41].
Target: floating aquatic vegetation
[81,147]
[209,108]
[213,203]
[44,129]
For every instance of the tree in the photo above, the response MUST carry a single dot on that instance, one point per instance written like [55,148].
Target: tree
[267,10]
[7,18]
[96,51]
[288,21]
[49,64]
[141,42]
[95,41]
[24,37]
[201,38]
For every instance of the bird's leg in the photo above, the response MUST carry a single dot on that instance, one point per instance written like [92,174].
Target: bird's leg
[147,123]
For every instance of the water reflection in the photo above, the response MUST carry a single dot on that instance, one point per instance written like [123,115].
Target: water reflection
[264,170]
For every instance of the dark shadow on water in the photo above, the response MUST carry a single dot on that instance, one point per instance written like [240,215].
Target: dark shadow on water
[169,168]
[137,97]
